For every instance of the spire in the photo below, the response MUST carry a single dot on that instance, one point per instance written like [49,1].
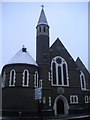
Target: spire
[42,18]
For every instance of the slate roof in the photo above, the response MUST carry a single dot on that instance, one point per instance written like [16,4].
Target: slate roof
[42,18]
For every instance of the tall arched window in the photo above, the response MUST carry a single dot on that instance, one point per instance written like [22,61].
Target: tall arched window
[82,80]
[12,78]
[3,79]
[59,72]
[36,79]
[25,81]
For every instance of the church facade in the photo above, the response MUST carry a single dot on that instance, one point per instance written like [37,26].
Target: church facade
[63,82]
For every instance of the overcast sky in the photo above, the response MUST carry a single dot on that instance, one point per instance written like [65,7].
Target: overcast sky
[68,21]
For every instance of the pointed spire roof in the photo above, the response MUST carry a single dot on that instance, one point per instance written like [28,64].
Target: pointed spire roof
[42,18]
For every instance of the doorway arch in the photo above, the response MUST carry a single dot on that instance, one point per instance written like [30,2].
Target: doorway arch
[61,105]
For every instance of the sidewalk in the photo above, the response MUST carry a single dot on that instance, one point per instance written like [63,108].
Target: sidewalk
[61,117]
[69,117]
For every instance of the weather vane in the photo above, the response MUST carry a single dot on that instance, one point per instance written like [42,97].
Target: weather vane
[42,6]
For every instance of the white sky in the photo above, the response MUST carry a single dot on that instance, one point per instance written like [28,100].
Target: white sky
[68,21]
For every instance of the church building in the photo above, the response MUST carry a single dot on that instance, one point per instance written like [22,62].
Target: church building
[54,84]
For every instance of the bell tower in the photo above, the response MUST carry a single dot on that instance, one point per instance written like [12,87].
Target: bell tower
[42,39]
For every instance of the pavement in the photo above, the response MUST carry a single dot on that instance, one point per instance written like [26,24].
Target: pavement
[61,117]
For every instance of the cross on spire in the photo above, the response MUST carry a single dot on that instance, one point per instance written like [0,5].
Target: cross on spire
[42,6]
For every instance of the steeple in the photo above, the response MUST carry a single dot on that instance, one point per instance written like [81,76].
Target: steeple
[42,38]
[42,18]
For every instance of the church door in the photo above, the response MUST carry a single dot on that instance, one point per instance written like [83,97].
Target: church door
[60,107]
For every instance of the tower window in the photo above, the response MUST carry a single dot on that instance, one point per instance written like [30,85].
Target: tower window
[36,79]
[25,81]
[59,72]
[82,80]
[12,78]
[44,29]
[39,29]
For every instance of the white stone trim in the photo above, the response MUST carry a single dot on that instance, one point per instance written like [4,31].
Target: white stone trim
[49,76]
[50,101]
[40,83]
[82,74]
[3,79]
[36,80]
[14,77]
[86,99]
[66,105]
[23,82]
[73,99]
[61,65]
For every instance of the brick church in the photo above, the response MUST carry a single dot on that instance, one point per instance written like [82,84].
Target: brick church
[64,82]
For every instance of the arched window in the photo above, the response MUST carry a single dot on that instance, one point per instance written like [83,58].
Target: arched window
[54,72]
[3,79]
[40,83]
[44,29]
[59,72]
[36,79]
[25,81]
[73,99]
[82,80]
[87,99]
[64,74]
[12,78]
[39,29]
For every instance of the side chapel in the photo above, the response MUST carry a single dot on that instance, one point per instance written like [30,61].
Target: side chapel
[64,82]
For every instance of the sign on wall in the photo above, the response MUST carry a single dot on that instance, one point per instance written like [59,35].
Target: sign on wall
[38,93]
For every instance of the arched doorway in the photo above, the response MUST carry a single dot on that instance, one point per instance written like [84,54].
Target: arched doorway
[61,105]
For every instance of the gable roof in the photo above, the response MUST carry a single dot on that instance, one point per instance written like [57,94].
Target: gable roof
[59,48]
[58,45]
[81,65]
[84,70]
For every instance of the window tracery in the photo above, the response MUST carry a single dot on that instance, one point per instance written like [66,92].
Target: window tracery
[59,72]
